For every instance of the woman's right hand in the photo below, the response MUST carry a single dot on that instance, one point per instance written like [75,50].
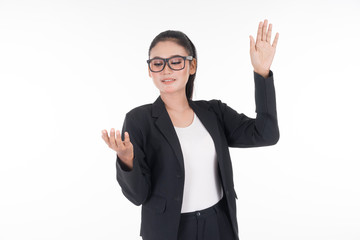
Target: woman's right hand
[124,149]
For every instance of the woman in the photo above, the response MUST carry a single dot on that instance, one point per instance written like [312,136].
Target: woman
[174,157]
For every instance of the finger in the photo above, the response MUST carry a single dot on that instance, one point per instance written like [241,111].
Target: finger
[127,139]
[112,138]
[105,137]
[258,37]
[275,40]
[268,36]
[263,37]
[118,140]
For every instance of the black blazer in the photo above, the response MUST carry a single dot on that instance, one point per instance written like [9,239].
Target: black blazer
[157,178]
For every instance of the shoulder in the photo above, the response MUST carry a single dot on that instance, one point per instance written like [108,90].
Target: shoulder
[213,104]
[140,111]
[137,120]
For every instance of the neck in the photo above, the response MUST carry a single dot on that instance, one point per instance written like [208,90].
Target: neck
[176,101]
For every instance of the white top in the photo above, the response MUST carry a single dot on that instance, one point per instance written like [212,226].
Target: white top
[202,181]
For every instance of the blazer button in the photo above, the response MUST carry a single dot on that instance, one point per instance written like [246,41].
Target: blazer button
[178,175]
[177,199]
[227,192]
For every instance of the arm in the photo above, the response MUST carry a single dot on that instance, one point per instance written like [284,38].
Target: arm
[135,182]
[242,131]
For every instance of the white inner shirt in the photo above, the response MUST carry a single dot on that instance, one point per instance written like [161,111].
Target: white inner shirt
[202,187]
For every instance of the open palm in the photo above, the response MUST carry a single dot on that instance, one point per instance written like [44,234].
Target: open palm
[262,52]
[124,149]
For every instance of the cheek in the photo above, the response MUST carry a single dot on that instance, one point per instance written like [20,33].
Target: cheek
[185,74]
[154,76]
[156,79]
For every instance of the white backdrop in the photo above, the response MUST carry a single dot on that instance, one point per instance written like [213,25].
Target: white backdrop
[69,69]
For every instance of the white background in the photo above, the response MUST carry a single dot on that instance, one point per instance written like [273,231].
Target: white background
[69,69]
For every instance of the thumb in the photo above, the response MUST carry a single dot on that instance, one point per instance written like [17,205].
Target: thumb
[252,43]
[126,139]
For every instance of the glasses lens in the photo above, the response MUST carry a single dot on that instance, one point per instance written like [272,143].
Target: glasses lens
[156,64]
[177,63]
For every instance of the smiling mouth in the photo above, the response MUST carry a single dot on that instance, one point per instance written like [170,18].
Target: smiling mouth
[168,80]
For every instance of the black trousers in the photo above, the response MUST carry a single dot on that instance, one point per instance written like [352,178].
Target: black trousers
[212,223]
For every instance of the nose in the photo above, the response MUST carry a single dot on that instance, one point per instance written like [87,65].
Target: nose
[167,69]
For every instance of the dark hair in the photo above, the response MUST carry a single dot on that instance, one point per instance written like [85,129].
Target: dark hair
[183,40]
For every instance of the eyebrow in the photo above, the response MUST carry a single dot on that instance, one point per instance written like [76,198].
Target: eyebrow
[176,55]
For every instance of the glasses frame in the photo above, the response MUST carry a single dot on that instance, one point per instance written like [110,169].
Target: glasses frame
[166,61]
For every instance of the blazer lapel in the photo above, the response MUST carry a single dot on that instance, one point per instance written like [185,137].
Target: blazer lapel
[209,120]
[164,124]
[166,127]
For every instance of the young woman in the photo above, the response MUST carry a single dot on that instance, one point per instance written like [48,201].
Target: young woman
[174,156]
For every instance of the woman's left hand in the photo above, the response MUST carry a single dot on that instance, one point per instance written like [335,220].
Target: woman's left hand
[262,52]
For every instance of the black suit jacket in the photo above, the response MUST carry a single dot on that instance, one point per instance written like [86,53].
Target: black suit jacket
[157,178]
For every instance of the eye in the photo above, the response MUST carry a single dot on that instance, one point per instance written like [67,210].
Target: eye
[176,61]
[157,62]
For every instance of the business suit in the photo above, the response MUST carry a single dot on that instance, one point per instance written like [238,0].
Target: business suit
[157,178]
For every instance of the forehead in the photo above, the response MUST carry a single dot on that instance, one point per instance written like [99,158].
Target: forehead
[166,49]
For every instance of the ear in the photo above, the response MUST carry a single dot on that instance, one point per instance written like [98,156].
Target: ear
[193,66]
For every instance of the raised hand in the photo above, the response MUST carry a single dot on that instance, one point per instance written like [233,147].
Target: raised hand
[262,52]
[124,149]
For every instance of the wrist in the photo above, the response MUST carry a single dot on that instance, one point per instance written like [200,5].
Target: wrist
[126,161]
[262,72]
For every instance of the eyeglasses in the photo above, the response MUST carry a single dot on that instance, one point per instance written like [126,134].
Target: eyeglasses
[175,63]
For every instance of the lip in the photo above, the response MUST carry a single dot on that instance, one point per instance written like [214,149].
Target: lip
[163,80]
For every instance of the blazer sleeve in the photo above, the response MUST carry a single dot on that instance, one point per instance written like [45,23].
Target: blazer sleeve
[242,131]
[134,183]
